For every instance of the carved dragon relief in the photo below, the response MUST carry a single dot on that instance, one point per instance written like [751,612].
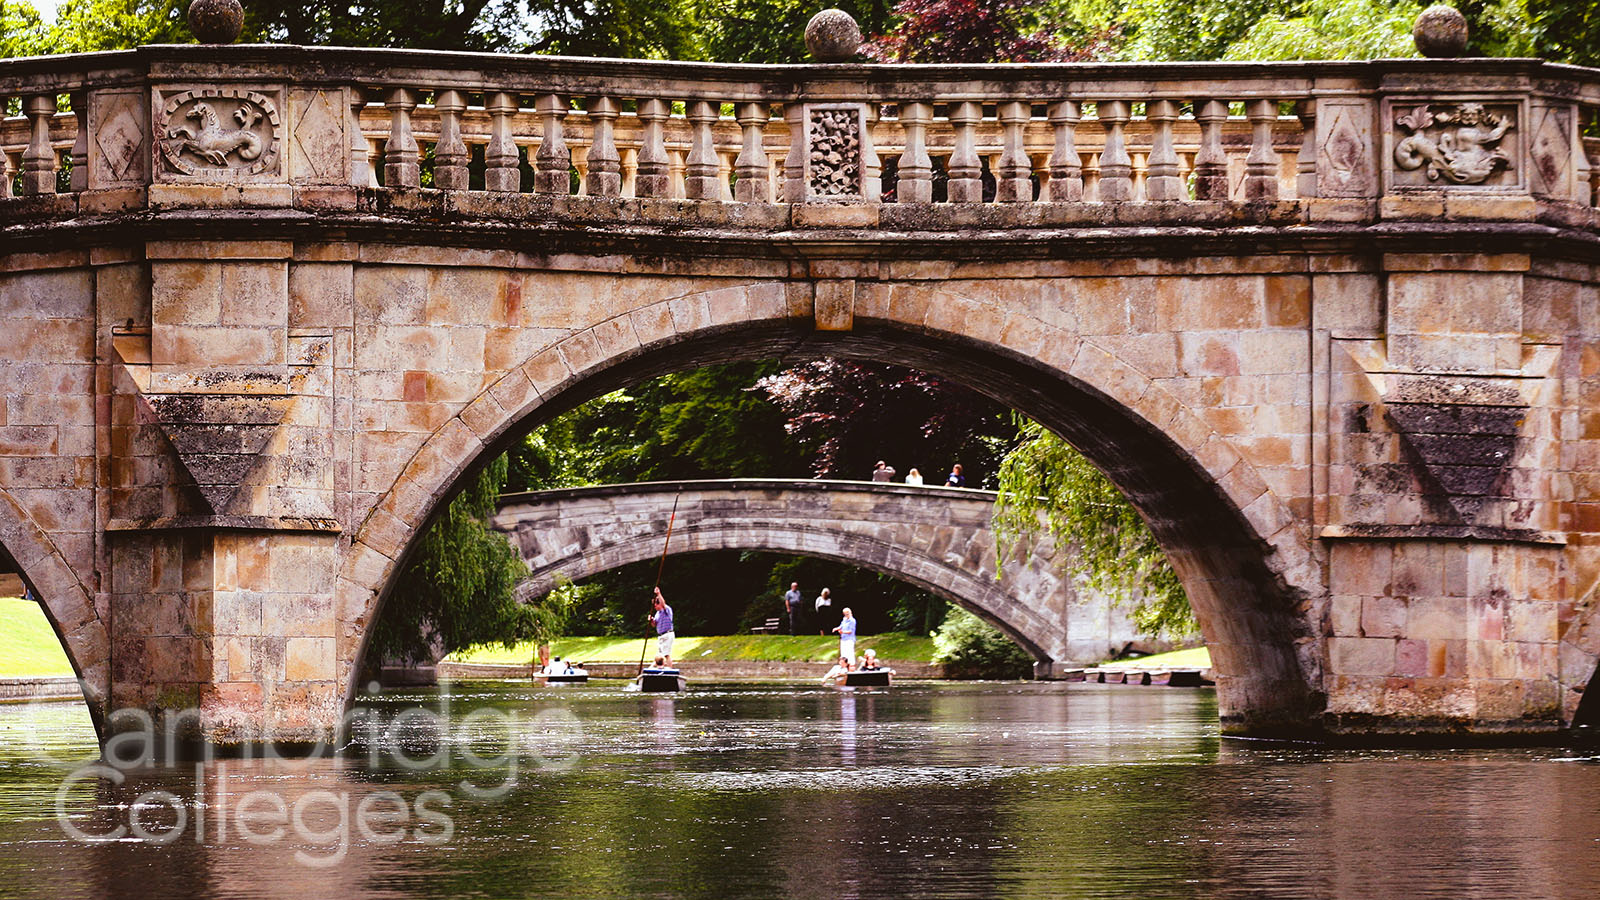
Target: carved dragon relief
[1458,143]
[219,132]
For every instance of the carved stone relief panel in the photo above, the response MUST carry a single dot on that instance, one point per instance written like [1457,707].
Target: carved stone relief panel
[1550,151]
[1345,152]
[319,151]
[119,154]
[834,159]
[218,134]
[1455,143]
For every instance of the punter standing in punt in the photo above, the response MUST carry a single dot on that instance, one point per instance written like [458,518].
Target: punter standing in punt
[662,619]
[847,635]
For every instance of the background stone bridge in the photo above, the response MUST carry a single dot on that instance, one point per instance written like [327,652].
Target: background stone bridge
[1333,328]
[936,538]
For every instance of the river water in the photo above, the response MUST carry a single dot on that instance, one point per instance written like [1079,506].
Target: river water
[926,790]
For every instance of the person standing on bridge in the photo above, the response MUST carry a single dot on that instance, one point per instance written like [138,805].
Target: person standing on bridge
[662,620]
[882,471]
[913,476]
[823,604]
[956,479]
[847,635]
[791,606]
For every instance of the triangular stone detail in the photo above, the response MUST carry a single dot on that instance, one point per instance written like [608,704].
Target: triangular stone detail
[1463,434]
[218,437]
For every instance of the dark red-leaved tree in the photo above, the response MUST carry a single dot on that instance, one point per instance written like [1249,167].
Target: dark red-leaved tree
[975,31]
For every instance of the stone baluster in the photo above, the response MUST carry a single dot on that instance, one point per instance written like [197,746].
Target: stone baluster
[725,160]
[360,162]
[1091,177]
[675,174]
[1594,177]
[700,169]
[39,160]
[1211,163]
[374,160]
[1041,174]
[1140,170]
[1261,166]
[450,155]
[502,164]
[630,172]
[1163,182]
[1014,174]
[964,168]
[916,169]
[1305,179]
[604,178]
[653,178]
[400,155]
[751,166]
[1066,168]
[794,164]
[581,166]
[871,164]
[552,164]
[12,165]
[1116,168]
[80,144]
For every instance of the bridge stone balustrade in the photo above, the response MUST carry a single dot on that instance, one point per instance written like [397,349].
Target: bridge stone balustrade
[938,539]
[1331,326]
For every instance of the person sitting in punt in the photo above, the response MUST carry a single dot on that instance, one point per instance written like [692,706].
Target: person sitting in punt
[557,667]
[839,670]
[869,662]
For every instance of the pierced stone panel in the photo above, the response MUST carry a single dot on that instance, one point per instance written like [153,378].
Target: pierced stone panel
[218,135]
[834,156]
[1446,144]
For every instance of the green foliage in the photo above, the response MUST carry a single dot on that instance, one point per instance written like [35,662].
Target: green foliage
[772,31]
[1045,483]
[82,26]
[1331,29]
[457,588]
[972,648]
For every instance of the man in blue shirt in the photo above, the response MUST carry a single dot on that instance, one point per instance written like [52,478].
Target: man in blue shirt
[662,620]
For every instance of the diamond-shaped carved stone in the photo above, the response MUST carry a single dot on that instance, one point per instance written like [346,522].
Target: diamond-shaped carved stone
[319,142]
[1551,152]
[119,138]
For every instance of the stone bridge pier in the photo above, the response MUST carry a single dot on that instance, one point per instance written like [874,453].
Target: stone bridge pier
[1332,327]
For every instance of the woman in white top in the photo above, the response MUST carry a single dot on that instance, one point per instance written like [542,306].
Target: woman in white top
[913,477]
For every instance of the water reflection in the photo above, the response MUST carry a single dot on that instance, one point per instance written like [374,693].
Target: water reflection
[750,791]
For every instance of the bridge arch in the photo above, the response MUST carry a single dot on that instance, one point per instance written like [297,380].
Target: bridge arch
[1247,566]
[66,601]
[931,537]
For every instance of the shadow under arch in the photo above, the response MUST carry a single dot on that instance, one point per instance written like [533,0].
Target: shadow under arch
[1247,572]
[67,605]
[961,588]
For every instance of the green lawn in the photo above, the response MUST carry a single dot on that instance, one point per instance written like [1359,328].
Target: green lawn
[28,645]
[1193,658]
[787,648]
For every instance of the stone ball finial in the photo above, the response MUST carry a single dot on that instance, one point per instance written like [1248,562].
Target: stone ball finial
[832,36]
[1440,31]
[216,21]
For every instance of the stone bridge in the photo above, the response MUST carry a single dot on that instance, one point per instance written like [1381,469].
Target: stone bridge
[1333,327]
[935,538]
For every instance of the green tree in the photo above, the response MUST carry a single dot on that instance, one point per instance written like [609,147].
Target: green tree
[773,31]
[1331,29]
[972,648]
[457,589]
[1046,484]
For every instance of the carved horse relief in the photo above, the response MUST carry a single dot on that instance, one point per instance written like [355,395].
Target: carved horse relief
[219,132]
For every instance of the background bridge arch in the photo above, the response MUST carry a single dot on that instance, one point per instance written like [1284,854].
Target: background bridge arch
[935,538]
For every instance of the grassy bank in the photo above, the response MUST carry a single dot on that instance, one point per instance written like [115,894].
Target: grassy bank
[28,645]
[1193,658]
[744,647]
